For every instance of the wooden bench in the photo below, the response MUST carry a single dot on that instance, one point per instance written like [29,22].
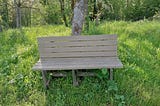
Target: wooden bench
[77,52]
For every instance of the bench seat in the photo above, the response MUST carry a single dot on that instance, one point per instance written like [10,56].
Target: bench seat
[78,63]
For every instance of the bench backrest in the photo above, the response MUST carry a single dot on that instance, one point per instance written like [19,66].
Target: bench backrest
[78,46]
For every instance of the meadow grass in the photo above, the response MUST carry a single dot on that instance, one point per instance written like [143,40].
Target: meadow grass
[137,84]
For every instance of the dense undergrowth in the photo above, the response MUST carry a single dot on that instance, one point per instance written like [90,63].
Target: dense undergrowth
[137,84]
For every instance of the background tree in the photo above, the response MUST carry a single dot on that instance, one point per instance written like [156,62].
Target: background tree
[4,13]
[0,24]
[17,4]
[18,13]
[23,7]
[79,16]
[63,12]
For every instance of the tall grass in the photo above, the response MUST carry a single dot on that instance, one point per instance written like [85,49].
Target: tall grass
[137,84]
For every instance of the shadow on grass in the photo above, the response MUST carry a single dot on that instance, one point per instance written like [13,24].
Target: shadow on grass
[141,69]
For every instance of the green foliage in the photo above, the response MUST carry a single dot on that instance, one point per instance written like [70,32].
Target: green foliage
[17,55]
[103,74]
[157,16]
[135,84]
[111,88]
[42,12]
[53,13]
[53,17]
[131,10]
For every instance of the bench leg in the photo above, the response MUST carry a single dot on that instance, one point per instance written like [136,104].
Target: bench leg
[110,71]
[74,76]
[45,81]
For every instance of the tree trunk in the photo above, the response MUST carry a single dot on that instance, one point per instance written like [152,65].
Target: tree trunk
[79,16]
[86,16]
[72,4]
[5,16]
[18,17]
[63,13]
[127,3]
[30,16]
[0,28]
[18,13]
[72,8]
[95,8]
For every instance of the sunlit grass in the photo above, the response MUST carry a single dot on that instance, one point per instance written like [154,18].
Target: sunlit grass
[138,81]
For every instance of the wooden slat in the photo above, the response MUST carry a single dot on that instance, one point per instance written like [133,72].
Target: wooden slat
[84,59]
[78,38]
[78,49]
[77,44]
[80,65]
[80,61]
[80,54]
[66,60]
[59,74]
[86,74]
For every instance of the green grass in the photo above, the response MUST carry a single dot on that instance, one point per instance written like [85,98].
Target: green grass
[137,84]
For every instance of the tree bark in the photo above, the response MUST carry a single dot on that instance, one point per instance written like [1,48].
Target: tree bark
[79,16]
[30,16]
[72,4]
[86,16]
[0,28]
[95,8]
[18,13]
[63,13]
[5,16]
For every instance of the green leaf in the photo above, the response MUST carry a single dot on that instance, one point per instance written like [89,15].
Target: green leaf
[112,86]
[104,71]
[120,104]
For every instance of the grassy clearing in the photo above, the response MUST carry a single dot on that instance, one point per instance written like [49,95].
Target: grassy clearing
[137,84]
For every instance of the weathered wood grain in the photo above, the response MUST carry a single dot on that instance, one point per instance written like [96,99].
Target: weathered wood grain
[77,38]
[78,64]
[76,53]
